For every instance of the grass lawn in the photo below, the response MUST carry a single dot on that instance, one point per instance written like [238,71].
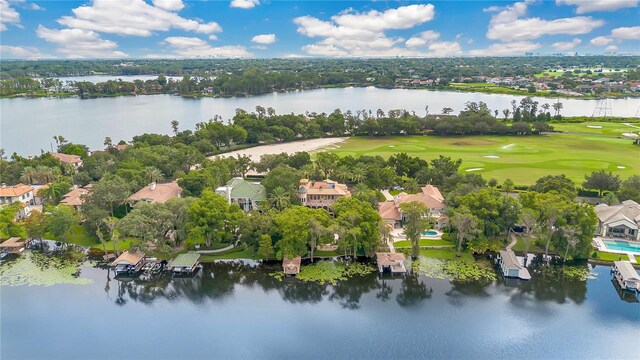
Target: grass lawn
[494,89]
[423,242]
[606,256]
[80,237]
[444,254]
[602,128]
[319,253]
[523,159]
[236,253]
[533,248]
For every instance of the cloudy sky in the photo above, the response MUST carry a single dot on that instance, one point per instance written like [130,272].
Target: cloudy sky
[272,28]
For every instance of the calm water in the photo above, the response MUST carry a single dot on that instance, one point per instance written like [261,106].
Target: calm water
[234,311]
[28,125]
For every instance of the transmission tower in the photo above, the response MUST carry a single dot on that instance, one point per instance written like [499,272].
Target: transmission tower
[603,106]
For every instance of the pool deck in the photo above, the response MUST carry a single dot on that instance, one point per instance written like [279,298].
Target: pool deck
[600,245]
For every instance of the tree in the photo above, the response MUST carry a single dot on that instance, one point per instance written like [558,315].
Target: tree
[529,218]
[35,225]
[630,189]
[7,215]
[558,183]
[293,226]
[282,176]
[208,215]
[507,186]
[610,199]
[447,110]
[466,224]
[601,181]
[175,126]
[280,198]
[326,162]
[265,247]
[153,174]
[61,221]
[506,113]
[360,222]
[416,215]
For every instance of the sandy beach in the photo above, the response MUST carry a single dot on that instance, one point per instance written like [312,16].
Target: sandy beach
[290,148]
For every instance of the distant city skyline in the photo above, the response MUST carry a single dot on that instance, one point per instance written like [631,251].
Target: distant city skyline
[132,29]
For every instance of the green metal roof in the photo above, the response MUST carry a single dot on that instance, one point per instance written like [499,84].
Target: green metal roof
[241,188]
[188,259]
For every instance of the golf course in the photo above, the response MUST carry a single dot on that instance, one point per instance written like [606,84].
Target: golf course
[522,159]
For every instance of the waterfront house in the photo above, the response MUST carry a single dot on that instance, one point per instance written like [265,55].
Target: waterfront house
[619,221]
[291,266]
[321,194]
[157,193]
[13,245]
[74,160]
[393,262]
[626,275]
[75,197]
[510,266]
[248,195]
[185,263]
[128,262]
[429,195]
[18,193]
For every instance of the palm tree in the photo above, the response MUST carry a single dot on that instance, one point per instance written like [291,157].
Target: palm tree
[308,171]
[570,233]
[28,175]
[280,198]
[466,224]
[610,199]
[342,173]
[358,174]
[557,106]
[43,174]
[506,113]
[153,173]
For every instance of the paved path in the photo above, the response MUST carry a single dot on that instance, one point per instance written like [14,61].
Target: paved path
[387,195]
[513,241]
[216,250]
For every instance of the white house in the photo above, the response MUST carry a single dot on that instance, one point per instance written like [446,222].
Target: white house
[619,221]
[21,193]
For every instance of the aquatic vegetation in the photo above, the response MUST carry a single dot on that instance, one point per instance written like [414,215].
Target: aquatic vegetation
[573,272]
[38,269]
[331,272]
[458,269]
[430,267]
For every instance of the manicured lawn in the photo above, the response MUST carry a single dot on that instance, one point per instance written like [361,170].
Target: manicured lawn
[319,253]
[80,237]
[236,253]
[523,159]
[606,256]
[444,254]
[533,248]
[423,242]
[602,128]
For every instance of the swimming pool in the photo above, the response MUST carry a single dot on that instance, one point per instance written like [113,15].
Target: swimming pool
[430,233]
[622,246]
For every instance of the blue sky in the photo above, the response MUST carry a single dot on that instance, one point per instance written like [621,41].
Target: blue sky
[268,29]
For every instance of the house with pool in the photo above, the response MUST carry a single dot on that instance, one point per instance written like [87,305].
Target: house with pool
[620,222]
[429,195]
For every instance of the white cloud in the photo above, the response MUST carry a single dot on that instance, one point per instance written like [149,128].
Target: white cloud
[626,33]
[586,6]
[350,33]
[445,48]
[169,5]
[564,46]
[78,43]
[134,17]
[601,41]
[294,56]
[213,37]
[244,4]
[191,47]
[508,49]
[8,15]
[507,25]
[19,52]
[265,39]
[423,38]
[611,48]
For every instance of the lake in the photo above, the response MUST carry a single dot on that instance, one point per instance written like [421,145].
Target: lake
[28,125]
[236,311]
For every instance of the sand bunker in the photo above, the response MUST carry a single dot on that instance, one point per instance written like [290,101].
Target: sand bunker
[492,156]
[621,167]
[473,169]
[594,126]
[508,146]
[392,146]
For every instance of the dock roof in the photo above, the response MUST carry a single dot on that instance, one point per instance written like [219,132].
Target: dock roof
[185,260]
[509,259]
[12,243]
[128,258]
[626,270]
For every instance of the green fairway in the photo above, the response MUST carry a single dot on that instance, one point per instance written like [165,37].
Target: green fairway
[523,159]
[602,128]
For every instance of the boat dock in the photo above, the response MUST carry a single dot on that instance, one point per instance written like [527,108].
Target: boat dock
[392,261]
[185,264]
[626,275]
[510,265]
